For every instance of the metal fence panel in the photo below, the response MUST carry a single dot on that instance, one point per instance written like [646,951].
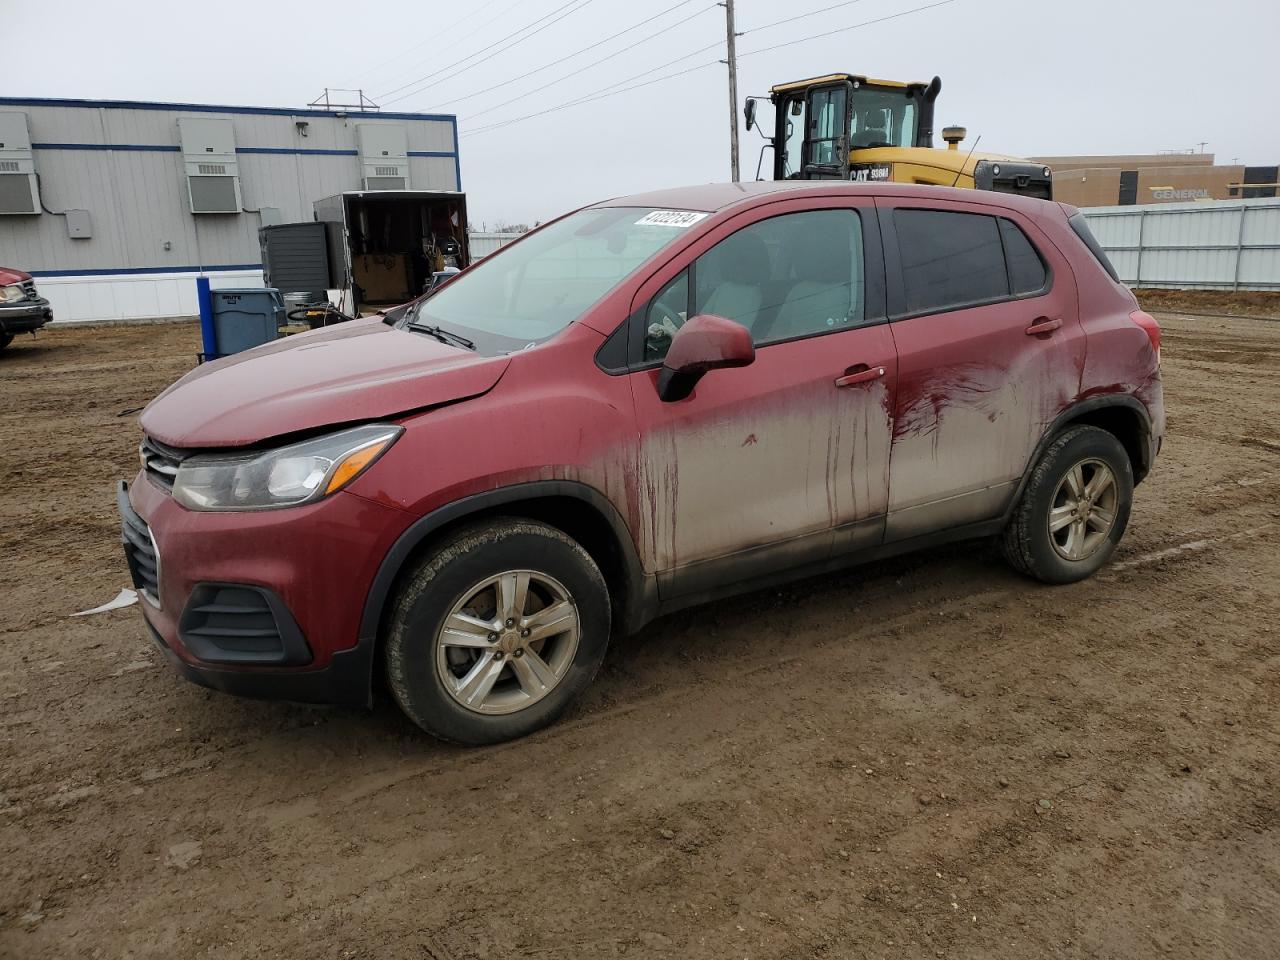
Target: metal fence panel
[1225,244]
[483,244]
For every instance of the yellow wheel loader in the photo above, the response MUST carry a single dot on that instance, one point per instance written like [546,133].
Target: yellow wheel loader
[848,127]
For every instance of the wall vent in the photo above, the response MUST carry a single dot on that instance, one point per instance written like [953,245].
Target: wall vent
[384,155]
[385,183]
[19,189]
[214,194]
[209,164]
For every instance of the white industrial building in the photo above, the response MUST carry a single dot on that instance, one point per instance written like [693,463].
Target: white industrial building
[115,207]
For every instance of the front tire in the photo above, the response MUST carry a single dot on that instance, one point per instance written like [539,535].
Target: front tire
[1074,509]
[5,340]
[495,633]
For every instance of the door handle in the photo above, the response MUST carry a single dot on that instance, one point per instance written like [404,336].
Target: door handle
[859,374]
[1042,326]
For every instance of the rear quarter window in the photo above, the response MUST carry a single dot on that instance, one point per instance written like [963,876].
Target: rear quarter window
[1081,227]
[1027,273]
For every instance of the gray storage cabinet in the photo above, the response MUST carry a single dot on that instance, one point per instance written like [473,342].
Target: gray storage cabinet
[295,258]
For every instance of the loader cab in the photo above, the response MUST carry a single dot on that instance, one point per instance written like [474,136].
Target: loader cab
[819,122]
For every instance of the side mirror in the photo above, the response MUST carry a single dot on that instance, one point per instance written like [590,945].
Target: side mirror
[705,342]
[750,111]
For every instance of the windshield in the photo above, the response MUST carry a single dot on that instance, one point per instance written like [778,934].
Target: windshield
[883,118]
[542,283]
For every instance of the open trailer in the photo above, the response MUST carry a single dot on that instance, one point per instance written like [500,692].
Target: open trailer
[381,247]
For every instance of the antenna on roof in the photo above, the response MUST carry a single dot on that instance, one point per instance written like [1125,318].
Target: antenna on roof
[326,100]
[966,160]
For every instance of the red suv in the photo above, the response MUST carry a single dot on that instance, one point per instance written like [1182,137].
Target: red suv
[643,405]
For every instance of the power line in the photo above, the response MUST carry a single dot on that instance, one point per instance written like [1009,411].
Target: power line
[548,66]
[496,43]
[589,99]
[583,69]
[802,16]
[608,91]
[832,33]
[617,83]
[421,80]
[632,46]
[435,37]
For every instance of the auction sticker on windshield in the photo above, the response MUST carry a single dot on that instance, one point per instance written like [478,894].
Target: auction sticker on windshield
[670,218]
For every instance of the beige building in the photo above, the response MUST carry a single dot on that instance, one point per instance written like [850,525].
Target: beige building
[1154,178]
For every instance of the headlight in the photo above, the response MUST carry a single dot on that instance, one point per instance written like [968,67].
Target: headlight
[285,477]
[11,293]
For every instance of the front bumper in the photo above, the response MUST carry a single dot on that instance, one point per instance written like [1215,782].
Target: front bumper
[24,316]
[211,582]
[346,681]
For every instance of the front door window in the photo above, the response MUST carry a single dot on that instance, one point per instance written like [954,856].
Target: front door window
[786,277]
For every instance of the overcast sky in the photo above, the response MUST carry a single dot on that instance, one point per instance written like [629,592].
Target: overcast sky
[1093,76]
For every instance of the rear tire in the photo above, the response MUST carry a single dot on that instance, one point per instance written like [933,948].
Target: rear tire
[1074,508]
[495,633]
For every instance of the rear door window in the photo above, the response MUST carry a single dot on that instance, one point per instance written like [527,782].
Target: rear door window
[949,259]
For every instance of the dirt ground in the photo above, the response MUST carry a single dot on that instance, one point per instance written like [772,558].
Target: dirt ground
[929,757]
[1242,303]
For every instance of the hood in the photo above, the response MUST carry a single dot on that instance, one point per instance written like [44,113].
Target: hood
[8,275]
[955,161]
[350,372]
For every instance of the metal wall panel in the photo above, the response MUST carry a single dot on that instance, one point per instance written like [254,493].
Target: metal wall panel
[137,296]
[483,244]
[1224,244]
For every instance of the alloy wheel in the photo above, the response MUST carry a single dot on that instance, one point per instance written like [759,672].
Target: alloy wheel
[508,642]
[1083,510]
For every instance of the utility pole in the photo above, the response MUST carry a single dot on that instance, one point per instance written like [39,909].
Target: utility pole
[730,38]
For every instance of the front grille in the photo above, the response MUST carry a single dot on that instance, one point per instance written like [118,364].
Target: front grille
[29,288]
[161,462]
[139,551]
[237,623]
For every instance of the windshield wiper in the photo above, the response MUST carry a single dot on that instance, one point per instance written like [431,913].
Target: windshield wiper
[444,336]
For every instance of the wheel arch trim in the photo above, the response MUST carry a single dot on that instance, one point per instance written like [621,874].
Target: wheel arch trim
[1072,414]
[639,604]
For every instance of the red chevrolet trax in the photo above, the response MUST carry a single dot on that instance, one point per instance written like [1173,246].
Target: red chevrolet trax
[641,406]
